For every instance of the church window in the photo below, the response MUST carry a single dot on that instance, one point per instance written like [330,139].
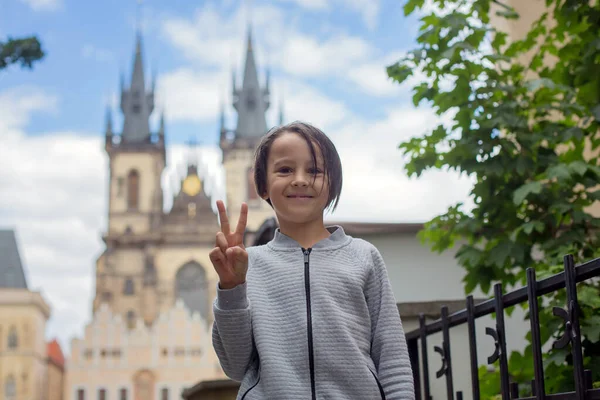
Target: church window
[251,192]
[101,394]
[123,394]
[10,388]
[136,108]
[80,394]
[128,289]
[191,287]
[133,189]
[164,394]
[131,319]
[13,340]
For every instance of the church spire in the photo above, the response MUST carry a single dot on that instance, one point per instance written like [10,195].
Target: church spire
[251,102]
[137,105]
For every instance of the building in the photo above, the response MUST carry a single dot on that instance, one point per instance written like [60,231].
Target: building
[30,368]
[149,337]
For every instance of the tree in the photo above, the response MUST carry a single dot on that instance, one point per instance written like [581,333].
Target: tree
[521,130]
[24,51]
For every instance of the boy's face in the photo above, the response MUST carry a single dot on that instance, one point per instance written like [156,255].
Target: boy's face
[298,191]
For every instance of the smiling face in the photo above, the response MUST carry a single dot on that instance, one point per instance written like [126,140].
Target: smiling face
[297,188]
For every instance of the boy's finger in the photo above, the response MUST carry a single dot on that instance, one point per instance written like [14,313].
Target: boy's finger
[243,220]
[223,217]
[217,257]
[221,241]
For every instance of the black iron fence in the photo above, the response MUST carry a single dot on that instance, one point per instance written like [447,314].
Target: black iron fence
[417,339]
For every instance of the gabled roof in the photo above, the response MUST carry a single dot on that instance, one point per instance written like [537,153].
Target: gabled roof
[55,354]
[12,274]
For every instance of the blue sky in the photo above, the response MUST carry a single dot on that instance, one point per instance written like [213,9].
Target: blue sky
[89,45]
[327,61]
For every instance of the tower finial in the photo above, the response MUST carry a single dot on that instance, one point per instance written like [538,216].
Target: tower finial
[108,122]
[281,110]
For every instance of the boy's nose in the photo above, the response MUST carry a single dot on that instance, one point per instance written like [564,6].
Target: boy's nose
[300,180]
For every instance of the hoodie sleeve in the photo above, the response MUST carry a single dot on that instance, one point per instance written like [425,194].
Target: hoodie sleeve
[232,331]
[388,341]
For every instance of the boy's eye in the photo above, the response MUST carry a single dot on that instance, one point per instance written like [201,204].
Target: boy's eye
[315,171]
[284,170]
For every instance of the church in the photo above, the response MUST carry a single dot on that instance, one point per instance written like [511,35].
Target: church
[149,337]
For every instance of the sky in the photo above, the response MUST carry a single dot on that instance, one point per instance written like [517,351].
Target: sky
[327,61]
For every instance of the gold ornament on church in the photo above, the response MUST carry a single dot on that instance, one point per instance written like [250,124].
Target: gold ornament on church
[192,185]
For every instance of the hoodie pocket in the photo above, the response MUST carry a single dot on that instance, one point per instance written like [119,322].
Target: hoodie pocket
[381,392]
[250,388]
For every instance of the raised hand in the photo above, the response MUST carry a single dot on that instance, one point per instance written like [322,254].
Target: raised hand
[229,257]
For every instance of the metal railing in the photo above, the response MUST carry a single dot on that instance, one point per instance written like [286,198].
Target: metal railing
[417,339]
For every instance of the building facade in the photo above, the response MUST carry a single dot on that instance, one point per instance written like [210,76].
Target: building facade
[27,369]
[150,334]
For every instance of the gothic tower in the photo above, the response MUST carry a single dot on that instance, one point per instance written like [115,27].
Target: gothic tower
[251,102]
[137,159]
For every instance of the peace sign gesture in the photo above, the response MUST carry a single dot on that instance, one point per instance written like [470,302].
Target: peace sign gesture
[229,257]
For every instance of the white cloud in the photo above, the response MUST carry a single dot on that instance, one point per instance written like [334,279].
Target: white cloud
[303,102]
[212,40]
[307,56]
[43,5]
[368,9]
[310,4]
[191,95]
[376,187]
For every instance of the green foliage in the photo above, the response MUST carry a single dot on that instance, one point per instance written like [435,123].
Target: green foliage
[23,51]
[522,112]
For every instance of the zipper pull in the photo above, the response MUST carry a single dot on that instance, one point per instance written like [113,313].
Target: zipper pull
[306,253]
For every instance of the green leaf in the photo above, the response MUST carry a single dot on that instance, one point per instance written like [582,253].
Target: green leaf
[578,167]
[560,171]
[596,112]
[589,296]
[591,328]
[530,226]
[412,5]
[521,193]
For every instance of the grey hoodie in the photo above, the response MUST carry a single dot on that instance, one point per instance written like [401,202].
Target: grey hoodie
[319,323]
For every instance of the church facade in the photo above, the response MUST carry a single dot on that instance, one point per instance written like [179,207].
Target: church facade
[150,337]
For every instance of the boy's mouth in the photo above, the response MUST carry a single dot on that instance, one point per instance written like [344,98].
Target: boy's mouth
[299,196]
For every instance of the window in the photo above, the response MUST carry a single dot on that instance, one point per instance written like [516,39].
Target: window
[191,287]
[130,319]
[10,388]
[80,394]
[128,288]
[101,394]
[133,189]
[13,340]
[164,394]
[252,194]
[123,394]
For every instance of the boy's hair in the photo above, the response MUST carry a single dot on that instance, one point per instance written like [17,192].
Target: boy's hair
[313,137]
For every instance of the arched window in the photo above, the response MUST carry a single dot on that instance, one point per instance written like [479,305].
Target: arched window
[13,339]
[133,189]
[131,319]
[80,394]
[128,289]
[192,288]
[10,388]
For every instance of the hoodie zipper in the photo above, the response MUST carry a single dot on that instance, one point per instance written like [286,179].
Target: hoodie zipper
[311,356]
